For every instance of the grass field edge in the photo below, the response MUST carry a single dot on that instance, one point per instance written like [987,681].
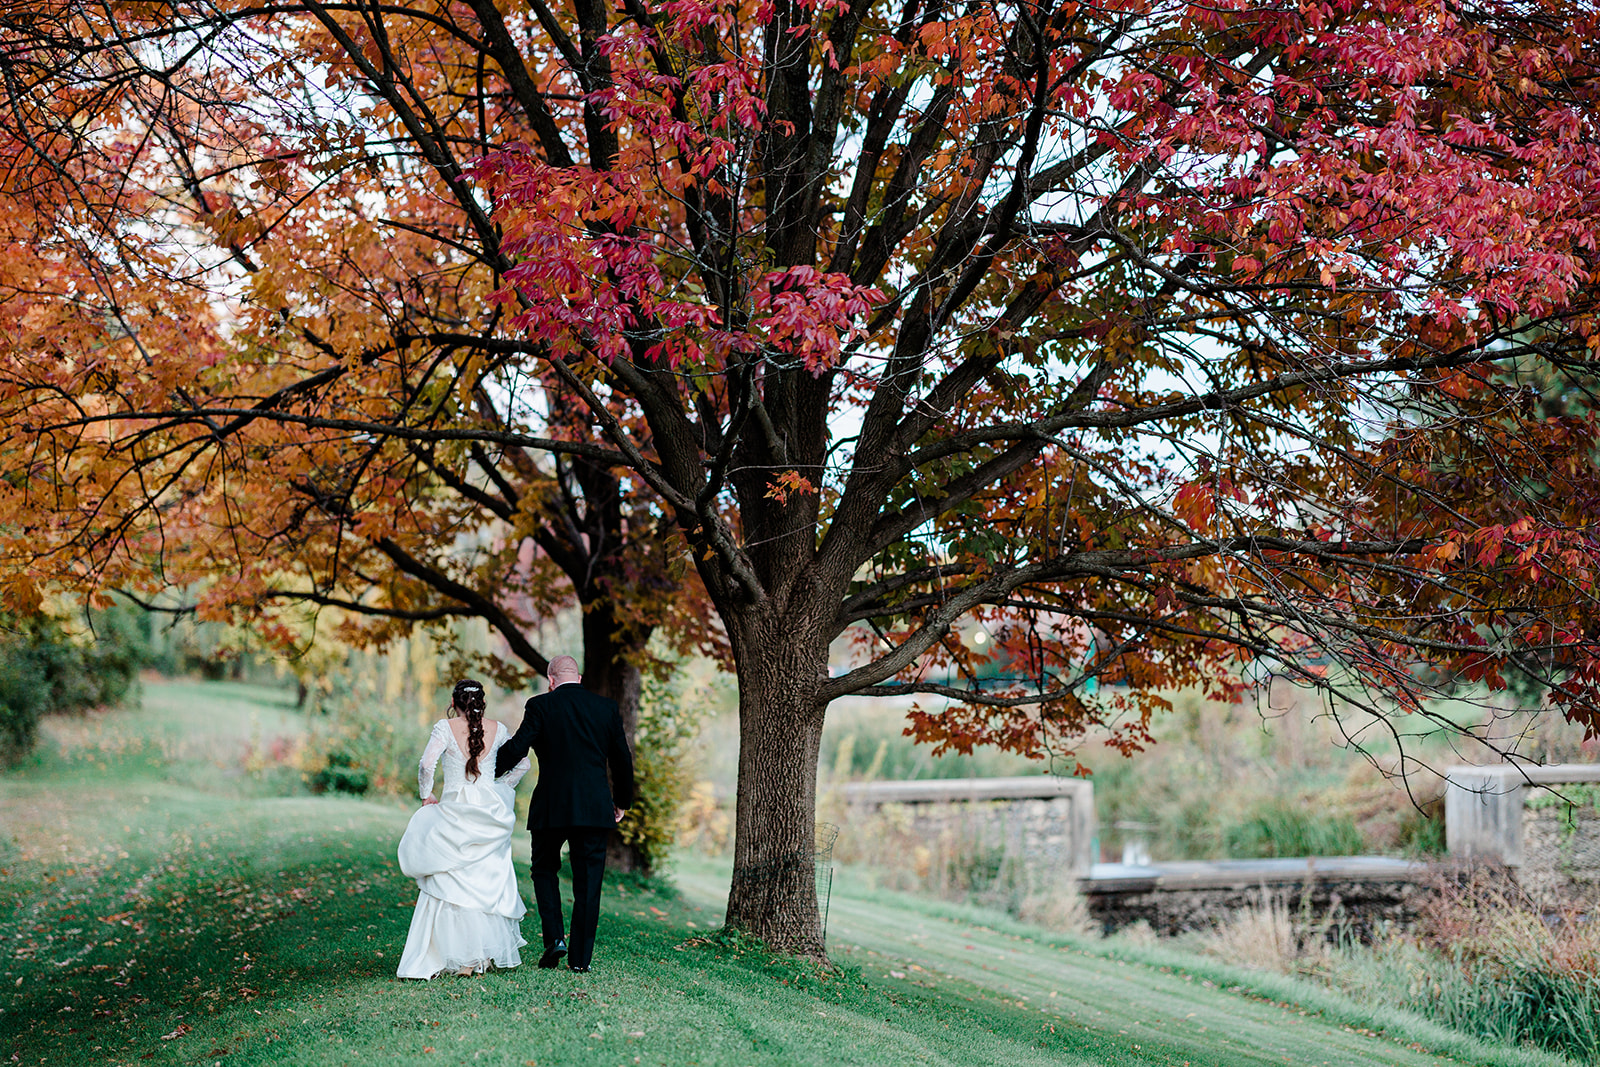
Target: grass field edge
[1302,993]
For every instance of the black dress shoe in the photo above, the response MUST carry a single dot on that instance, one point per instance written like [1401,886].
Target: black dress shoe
[580,969]
[553,954]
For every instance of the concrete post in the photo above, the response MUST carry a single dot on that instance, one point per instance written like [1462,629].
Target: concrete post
[1483,806]
[1483,814]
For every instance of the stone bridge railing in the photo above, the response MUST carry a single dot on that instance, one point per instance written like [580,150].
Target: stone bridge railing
[1354,895]
[1542,823]
[1039,831]
[1027,831]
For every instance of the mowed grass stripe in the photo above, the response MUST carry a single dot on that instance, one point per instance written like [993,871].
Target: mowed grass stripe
[296,977]
[1164,1011]
[249,930]
[1113,995]
[152,911]
[1120,1011]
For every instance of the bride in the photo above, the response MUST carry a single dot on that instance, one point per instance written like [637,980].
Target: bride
[458,848]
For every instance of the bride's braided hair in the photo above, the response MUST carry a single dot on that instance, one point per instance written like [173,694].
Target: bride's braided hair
[468,699]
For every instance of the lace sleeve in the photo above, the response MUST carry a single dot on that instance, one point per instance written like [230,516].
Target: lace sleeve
[514,775]
[430,758]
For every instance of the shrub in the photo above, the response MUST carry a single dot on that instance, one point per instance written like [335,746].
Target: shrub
[45,669]
[23,692]
[669,720]
[340,775]
[1273,934]
[1280,830]
[121,648]
[1260,935]
[358,745]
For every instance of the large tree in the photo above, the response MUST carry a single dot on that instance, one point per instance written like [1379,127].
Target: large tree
[205,217]
[1156,339]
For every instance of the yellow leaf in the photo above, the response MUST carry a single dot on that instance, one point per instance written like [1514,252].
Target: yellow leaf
[21,595]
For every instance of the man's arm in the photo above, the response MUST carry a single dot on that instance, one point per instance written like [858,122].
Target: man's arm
[621,760]
[512,751]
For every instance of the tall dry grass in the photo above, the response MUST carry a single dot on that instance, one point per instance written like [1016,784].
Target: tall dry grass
[1272,933]
[1482,960]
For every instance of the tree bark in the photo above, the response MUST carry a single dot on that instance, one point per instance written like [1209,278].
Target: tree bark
[774,890]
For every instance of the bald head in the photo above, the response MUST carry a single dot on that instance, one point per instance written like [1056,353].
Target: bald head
[563,669]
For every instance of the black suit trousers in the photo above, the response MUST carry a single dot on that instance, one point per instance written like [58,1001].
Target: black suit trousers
[588,858]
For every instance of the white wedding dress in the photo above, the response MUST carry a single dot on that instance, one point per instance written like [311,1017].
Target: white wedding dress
[468,912]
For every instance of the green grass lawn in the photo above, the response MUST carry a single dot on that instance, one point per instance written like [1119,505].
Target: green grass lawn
[156,907]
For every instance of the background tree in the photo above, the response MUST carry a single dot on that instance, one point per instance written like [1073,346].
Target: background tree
[1156,338]
[52,663]
[216,219]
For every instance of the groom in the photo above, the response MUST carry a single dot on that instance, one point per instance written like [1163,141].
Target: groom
[575,734]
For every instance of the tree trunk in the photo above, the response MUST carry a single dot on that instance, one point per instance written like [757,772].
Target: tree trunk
[774,890]
[608,671]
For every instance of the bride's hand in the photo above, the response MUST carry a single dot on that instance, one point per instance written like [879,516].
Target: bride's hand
[430,800]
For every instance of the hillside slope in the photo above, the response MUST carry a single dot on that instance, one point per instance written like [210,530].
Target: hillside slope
[156,908]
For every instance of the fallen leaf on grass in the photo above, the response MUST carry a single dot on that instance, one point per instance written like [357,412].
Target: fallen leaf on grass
[657,911]
[183,1028]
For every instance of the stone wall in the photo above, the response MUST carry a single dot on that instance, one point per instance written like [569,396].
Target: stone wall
[1542,823]
[1027,844]
[1357,896]
[1002,838]
[1561,846]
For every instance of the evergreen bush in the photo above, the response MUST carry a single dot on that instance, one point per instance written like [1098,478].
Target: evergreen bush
[23,693]
[361,745]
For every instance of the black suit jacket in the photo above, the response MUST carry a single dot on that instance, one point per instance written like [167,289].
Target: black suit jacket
[574,733]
